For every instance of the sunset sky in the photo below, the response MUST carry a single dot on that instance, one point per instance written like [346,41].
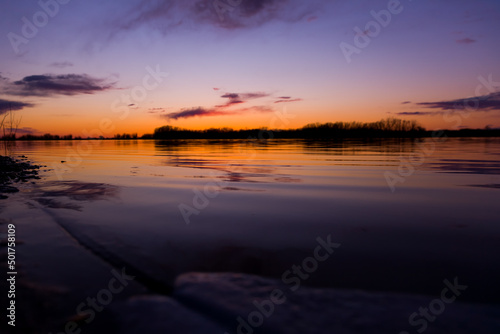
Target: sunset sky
[75,66]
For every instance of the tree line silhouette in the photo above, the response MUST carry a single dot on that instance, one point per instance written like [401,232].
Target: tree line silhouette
[386,128]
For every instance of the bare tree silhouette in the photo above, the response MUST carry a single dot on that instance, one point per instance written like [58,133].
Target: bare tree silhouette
[10,124]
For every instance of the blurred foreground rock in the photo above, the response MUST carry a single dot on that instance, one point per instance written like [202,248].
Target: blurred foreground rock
[237,303]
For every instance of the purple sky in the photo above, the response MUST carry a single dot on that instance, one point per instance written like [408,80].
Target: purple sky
[71,66]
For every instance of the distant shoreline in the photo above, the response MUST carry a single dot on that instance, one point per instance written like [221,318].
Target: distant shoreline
[386,128]
[264,134]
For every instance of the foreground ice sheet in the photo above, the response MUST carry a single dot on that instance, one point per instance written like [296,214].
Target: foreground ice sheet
[237,303]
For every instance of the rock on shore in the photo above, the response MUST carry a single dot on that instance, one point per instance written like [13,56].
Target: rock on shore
[13,171]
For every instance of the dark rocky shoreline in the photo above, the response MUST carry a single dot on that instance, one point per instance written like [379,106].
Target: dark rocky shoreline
[15,171]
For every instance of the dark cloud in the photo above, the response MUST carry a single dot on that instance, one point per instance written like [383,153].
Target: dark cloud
[250,96]
[25,131]
[481,103]
[419,113]
[203,112]
[194,113]
[239,98]
[490,102]
[62,64]
[288,100]
[6,105]
[406,102]
[245,96]
[50,85]
[230,96]
[466,41]
[233,99]
[164,15]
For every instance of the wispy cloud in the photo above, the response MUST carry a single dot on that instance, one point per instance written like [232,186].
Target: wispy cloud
[6,105]
[51,85]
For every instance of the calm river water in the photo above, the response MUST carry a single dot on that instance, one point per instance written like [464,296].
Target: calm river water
[407,214]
